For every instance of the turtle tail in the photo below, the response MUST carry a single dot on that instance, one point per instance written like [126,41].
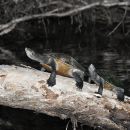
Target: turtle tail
[32,55]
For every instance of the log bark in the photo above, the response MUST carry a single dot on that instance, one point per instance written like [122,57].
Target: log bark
[26,88]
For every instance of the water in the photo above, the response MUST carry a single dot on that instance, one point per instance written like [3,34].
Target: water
[88,45]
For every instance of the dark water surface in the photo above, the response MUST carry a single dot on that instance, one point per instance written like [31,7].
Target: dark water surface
[88,45]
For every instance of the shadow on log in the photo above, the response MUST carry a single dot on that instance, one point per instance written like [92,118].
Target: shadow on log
[26,88]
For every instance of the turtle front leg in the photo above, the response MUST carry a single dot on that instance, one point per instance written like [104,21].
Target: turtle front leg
[52,79]
[78,78]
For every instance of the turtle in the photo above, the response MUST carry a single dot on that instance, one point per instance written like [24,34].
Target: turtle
[61,64]
[102,83]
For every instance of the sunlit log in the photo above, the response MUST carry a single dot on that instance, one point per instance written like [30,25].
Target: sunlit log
[26,88]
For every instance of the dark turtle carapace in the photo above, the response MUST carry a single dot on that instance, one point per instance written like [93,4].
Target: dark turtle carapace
[58,63]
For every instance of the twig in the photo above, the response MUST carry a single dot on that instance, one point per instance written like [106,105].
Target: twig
[5,28]
[67,125]
[118,24]
[74,122]
[116,4]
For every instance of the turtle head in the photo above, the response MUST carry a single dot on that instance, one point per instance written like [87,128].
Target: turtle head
[37,57]
[30,53]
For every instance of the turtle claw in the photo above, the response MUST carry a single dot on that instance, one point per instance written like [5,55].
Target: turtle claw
[51,82]
[79,85]
[98,95]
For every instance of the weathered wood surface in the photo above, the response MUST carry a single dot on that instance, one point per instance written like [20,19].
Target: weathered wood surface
[26,88]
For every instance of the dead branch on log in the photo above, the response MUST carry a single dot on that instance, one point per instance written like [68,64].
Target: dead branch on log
[26,88]
[58,11]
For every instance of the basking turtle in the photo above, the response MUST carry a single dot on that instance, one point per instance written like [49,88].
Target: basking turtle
[103,83]
[61,64]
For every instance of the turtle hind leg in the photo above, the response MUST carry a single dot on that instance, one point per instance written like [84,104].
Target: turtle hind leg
[78,79]
[52,79]
[100,81]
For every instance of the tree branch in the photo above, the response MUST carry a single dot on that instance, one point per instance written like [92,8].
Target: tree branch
[58,12]
[110,33]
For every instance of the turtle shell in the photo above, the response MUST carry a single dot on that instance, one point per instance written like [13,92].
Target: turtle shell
[66,59]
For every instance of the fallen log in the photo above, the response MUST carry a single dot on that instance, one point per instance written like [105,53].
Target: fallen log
[26,88]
